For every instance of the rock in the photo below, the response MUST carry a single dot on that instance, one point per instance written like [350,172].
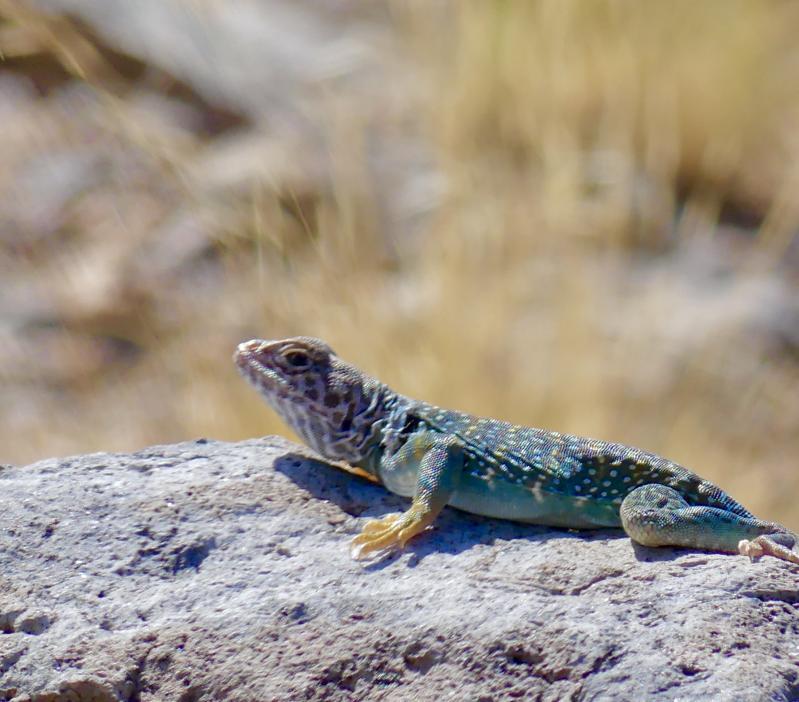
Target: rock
[219,571]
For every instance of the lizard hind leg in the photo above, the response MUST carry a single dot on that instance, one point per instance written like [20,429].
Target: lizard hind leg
[657,515]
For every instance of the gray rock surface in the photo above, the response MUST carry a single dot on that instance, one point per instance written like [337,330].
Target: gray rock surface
[217,571]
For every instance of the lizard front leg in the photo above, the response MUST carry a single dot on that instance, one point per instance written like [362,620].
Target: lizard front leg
[437,462]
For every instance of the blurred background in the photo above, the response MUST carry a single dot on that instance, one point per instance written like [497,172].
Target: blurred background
[582,215]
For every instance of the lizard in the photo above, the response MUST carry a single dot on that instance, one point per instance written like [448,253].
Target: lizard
[488,467]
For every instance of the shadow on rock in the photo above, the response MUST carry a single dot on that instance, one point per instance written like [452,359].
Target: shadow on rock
[453,532]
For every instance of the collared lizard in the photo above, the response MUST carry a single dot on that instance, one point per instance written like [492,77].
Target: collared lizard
[485,466]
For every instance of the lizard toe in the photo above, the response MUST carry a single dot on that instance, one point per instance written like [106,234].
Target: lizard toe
[377,526]
[766,546]
[391,532]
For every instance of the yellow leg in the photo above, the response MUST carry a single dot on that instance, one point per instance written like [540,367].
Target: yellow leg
[436,460]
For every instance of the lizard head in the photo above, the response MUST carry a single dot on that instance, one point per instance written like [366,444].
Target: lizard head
[329,403]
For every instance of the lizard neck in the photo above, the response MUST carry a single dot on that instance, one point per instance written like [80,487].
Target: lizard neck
[389,416]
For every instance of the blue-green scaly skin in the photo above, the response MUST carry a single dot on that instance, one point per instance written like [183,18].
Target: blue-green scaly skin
[442,457]
[512,471]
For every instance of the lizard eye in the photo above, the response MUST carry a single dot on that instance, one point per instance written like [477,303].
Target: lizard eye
[297,359]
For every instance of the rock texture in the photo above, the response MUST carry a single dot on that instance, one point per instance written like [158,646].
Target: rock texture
[216,571]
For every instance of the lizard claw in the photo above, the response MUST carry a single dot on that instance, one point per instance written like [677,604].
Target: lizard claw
[765,546]
[391,532]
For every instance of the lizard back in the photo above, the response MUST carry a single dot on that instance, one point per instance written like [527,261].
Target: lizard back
[550,462]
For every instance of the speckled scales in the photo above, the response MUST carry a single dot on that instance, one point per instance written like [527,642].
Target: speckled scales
[565,464]
[489,467]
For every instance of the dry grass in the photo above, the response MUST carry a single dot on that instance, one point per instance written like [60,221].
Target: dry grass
[609,257]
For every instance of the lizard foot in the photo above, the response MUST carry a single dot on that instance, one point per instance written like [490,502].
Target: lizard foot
[766,546]
[393,531]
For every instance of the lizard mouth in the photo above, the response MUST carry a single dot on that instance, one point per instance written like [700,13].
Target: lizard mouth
[250,357]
